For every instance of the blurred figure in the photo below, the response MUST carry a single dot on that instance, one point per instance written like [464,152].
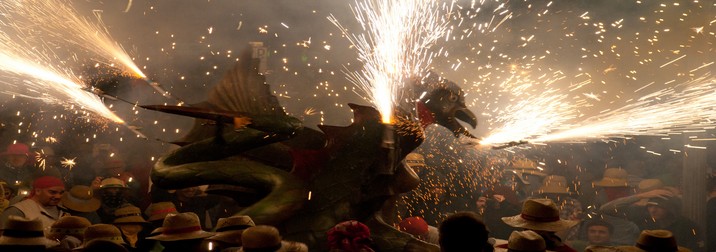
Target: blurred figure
[69,232]
[599,233]
[106,232]
[655,240]
[229,231]
[133,228]
[463,231]
[528,174]
[156,213]
[542,216]
[80,201]
[267,238]
[524,241]
[6,195]
[417,227]
[665,215]
[711,215]
[349,236]
[634,207]
[193,199]
[103,246]
[613,185]
[41,203]
[493,208]
[182,232]
[18,165]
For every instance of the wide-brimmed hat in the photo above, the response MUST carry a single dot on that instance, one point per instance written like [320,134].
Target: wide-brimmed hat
[160,210]
[128,215]
[70,225]
[655,240]
[229,229]
[646,185]
[16,149]
[181,226]
[112,183]
[22,231]
[524,241]
[81,199]
[525,166]
[267,238]
[613,177]
[103,232]
[539,214]
[554,184]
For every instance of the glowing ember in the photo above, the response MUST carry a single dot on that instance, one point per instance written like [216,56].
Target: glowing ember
[68,163]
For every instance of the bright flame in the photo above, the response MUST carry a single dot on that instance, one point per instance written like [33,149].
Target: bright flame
[61,21]
[395,46]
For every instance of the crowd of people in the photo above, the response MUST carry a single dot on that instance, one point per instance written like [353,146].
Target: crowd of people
[104,206]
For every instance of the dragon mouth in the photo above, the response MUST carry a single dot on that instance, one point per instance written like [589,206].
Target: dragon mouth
[465,115]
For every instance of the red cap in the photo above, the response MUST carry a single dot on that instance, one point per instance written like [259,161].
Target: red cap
[17,149]
[414,225]
[47,182]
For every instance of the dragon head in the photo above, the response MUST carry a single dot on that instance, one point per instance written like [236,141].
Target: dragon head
[443,102]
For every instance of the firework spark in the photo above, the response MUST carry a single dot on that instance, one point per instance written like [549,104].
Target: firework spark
[394,47]
[35,77]
[68,163]
[59,20]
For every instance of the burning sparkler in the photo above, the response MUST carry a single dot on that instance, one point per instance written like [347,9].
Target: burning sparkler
[68,163]
[395,46]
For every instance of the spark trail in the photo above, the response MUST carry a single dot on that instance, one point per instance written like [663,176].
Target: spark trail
[395,46]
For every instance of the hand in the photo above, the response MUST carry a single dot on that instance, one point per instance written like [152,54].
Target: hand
[499,198]
[96,183]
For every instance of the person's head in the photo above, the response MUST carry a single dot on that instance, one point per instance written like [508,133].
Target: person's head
[8,192]
[112,192]
[129,220]
[415,226]
[103,246]
[660,208]
[69,226]
[16,155]
[463,231]
[47,190]
[114,166]
[599,232]
[188,192]
[539,215]
[182,230]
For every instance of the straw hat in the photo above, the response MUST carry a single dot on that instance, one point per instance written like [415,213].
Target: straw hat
[81,199]
[22,231]
[128,215]
[106,232]
[70,225]
[229,229]
[414,159]
[267,238]
[160,210]
[16,149]
[654,240]
[596,248]
[646,185]
[524,241]
[181,226]
[112,183]
[614,177]
[554,184]
[539,214]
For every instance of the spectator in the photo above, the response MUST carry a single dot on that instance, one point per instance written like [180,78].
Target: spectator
[69,231]
[417,227]
[105,232]
[655,240]
[634,207]
[41,203]
[523,241]
[492,210]
[349,236]
[22,234]
[614,185]
[267,238]
[228,232]
[18,167]
[156,212]
[193,199]
[80,201]
[113,193]
[542,216]
[463,231]
[131,224]
[182,232]
[665,215]
[599,233]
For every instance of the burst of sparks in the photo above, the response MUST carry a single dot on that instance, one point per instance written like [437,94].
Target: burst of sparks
[394,47]
[59,20]
[40,80]
[68,163]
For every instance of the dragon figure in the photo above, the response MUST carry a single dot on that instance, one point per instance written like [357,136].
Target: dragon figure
[302,180]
